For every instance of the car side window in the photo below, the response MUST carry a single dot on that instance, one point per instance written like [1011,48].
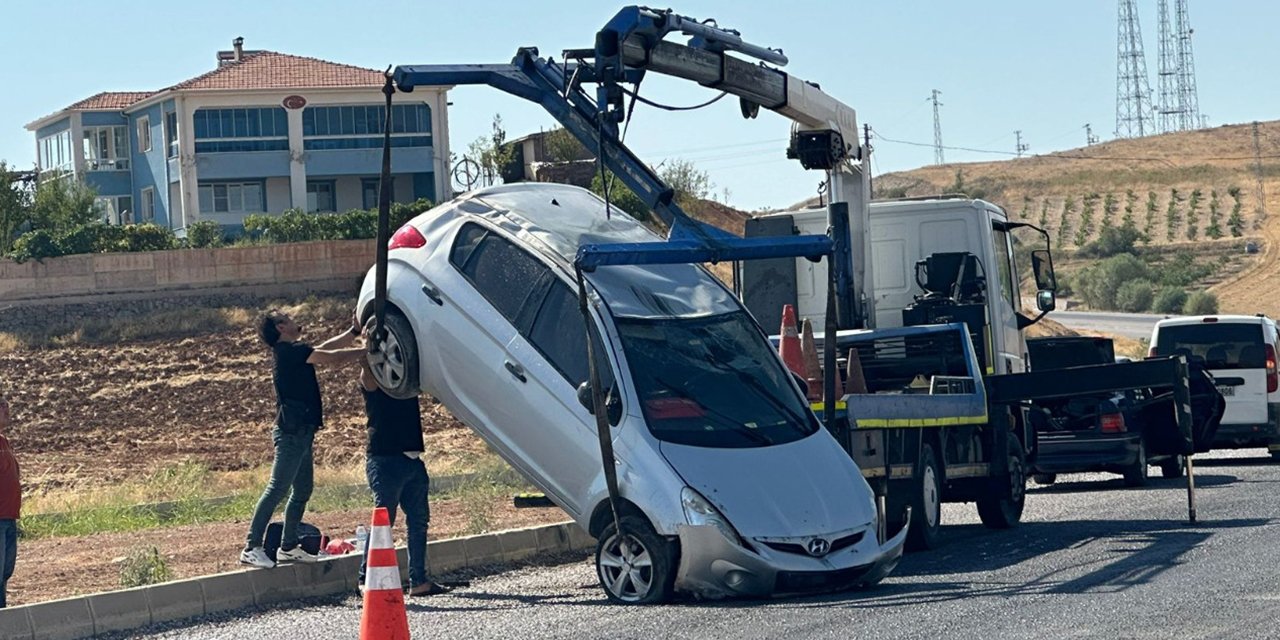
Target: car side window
[502,272]
[559,335]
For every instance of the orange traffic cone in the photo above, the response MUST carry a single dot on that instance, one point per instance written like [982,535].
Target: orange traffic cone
[384,617]
[789,344]
[812,368]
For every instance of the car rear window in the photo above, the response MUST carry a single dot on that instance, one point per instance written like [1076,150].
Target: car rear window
[1222,345]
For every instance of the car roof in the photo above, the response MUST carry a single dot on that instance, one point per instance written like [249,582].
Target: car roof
[1221,319]
[555,219]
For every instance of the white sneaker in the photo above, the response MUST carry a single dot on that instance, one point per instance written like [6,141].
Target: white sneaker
[296,554]
[256,557]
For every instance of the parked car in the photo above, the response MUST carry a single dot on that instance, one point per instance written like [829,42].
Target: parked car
[728,483]
[1091,433]
[1240,353]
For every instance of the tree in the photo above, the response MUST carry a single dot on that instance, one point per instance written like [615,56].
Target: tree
[492,152]
[1112,241]
[15,206]
[1100,283]
[690,183]
[1170,300]
[1201,303]
[1134,296]
[62,203]
[620,196]
[562,146]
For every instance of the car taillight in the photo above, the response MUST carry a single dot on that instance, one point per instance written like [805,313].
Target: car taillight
[1112,423]
[1272,382]
[1151,352]
[406,237]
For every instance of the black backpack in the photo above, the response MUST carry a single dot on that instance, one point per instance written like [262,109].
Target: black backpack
[308,538]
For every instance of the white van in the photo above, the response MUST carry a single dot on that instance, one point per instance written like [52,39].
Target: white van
[1240,353]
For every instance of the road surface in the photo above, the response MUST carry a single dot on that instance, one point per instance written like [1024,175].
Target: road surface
[1130,325]
[1092,559]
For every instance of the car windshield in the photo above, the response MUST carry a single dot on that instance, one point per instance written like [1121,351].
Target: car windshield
[712,382]
[1222,345]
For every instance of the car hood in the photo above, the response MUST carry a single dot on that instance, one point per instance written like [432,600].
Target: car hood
[806,487]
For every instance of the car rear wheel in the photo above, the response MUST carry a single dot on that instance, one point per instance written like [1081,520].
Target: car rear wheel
[1003,508]
[1172,467]
[926,503]
[1045,478]
[1136,475]
[636,567]
[394,360]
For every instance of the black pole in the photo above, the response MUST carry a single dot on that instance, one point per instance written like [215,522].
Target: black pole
[829,357]
[384,224]
[598,405]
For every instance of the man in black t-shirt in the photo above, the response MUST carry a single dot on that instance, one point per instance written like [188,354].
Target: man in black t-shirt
[299,414]
[396,473]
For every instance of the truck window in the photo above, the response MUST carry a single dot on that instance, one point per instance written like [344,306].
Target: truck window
[1004,265]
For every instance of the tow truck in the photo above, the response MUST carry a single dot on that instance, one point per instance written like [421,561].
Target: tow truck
[964,434]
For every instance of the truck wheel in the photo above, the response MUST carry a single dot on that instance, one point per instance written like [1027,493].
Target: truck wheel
[637,566]
[1045,478]
[1002,508]
[926,502]
[396,365]
[1172,467]
[1136,476]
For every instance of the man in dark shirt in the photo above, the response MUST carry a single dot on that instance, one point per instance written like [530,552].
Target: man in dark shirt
[396,473]
[299,414]
[10,503]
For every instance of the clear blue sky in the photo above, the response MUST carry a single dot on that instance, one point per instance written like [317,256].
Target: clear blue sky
[1046,68]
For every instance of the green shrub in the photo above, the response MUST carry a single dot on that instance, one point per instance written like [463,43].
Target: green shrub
[1112,241]
[1200,303]
[205,234]
[1170,300]
[146,237]
[95,237]
[35,245]
[1184,271]
[1099,284]
[143,566]
[1134,296]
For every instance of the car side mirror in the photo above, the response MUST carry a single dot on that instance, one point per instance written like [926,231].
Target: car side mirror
[584,397]
[612,403]
[1046,301]
[1042,268]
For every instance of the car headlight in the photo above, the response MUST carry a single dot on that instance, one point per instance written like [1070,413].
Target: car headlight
[699,512]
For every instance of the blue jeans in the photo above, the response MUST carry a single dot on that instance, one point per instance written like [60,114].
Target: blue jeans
[8,554]
[399,480]
[292,472]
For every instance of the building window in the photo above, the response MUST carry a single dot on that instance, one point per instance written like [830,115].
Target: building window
[171,133]
[232,197]
[115,209]
[144,134]
[106,149]
[361,127]
[147,212]
[320,196]
[55,152]
[369,192]
[235,130]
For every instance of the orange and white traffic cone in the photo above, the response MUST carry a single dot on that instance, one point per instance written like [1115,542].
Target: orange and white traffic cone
[384,616]
[789,343]
[812,368]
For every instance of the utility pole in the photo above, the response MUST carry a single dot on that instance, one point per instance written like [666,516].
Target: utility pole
[1019,146]
[937,130]
[1257,170]
[1179,107]
[1089,138]
[1188,99]
[1169,107]
[866,161]
[1133,93]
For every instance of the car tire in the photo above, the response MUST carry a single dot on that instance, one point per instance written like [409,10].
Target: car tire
[637,567]
[926,502]
[1275,456]
[1044,478]
[1002,508]
[1136,475]
[396,370]
[1172,467]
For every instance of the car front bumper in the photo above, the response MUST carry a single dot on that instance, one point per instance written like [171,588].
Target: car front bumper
[1074,453]
[712,566]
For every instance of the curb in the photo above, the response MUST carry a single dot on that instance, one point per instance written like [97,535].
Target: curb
[87,616]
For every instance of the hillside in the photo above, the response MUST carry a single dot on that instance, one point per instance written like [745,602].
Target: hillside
[1193,191]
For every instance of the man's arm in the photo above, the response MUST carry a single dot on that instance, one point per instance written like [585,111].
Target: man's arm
[340,341]
[336,356]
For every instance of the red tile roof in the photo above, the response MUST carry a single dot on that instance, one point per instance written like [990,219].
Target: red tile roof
[110,100]
[271,70]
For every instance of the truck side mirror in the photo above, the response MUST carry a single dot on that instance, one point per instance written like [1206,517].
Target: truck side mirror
[1042,267]
[1046,301]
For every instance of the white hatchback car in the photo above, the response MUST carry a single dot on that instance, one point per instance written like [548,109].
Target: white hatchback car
[728,483]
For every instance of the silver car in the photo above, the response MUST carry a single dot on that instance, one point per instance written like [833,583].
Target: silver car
[728,483]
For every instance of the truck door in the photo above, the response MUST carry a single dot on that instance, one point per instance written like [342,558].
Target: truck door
[1004,303]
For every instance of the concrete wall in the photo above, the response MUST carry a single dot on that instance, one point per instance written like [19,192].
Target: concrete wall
[337,265]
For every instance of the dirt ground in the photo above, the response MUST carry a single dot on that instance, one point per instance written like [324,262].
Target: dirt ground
[53,568]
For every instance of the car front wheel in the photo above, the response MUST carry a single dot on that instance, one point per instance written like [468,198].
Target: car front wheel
[394,359]
[636,566]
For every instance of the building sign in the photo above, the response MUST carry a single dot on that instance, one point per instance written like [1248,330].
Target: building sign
[294,102]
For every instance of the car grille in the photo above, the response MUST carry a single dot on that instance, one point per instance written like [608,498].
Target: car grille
[836,545]
[809,581]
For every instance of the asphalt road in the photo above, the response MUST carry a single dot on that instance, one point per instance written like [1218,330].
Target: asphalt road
[1090,560]
[1129,325]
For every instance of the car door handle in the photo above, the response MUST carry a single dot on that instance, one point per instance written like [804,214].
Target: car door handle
[516,370]
[434,294]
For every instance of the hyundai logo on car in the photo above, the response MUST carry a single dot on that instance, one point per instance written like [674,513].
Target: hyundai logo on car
[819,547]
